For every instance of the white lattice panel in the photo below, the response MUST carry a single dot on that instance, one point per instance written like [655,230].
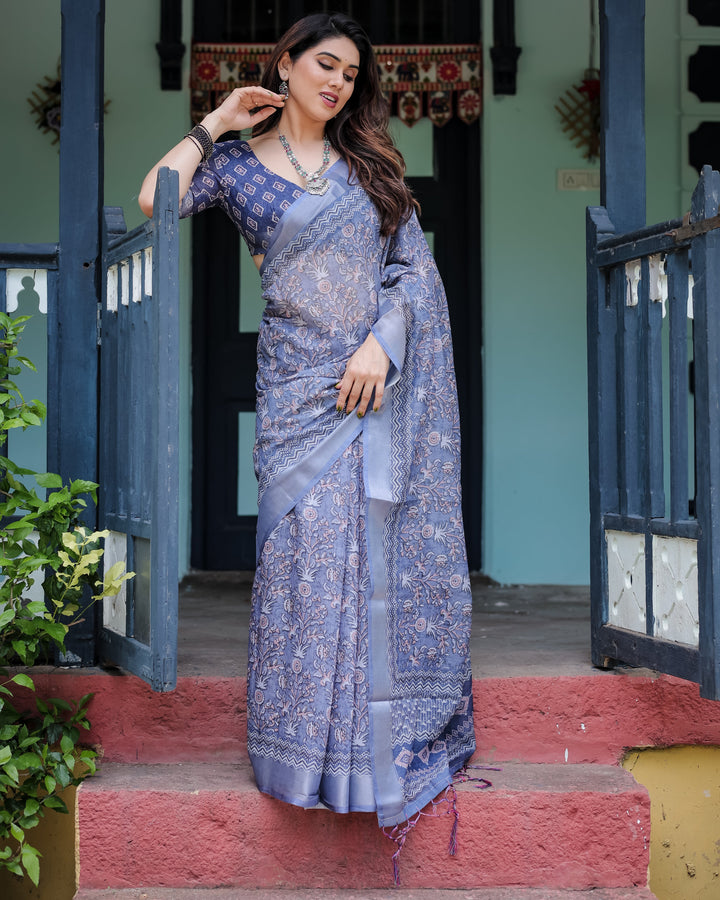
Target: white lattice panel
[675,590]
[26,291]
[626,580]
[115,608]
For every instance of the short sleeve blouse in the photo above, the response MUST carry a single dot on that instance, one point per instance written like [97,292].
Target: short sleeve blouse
[254,197]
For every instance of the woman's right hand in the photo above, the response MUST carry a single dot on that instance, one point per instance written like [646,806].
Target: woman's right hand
[243,108]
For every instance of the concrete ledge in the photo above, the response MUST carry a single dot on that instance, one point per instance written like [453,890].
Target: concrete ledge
[204,825]
[204,718]
[576,719]
[593,718]
[512,893]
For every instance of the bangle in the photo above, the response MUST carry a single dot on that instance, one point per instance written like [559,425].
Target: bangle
[198,145]
[202,138]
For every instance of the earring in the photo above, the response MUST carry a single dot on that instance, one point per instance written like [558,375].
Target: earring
[283,89]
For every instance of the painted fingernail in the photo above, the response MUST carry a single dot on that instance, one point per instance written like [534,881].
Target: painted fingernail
[376,408]
[339,408]
[360,415]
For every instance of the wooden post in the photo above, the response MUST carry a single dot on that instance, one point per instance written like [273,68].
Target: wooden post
[165,479]
[504,52]
[622,91]
[602,424]
[622,156]
[170,47]
[706,271]
[72,323]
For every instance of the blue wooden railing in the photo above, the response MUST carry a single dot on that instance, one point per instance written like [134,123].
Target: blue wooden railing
[139,373]
[655,440]
[138,341]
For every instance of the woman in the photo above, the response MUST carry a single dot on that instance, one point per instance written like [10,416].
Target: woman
[359,686]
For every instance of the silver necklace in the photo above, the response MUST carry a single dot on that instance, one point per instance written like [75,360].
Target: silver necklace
[313,182]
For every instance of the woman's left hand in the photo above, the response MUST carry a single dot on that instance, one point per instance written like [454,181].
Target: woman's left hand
[365,373]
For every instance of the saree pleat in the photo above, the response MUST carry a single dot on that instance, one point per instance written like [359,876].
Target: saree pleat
[308,667]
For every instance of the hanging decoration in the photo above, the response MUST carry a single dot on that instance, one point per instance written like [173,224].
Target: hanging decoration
[579,107]
[45,104]
[504,53]
[579,110]
[437,81]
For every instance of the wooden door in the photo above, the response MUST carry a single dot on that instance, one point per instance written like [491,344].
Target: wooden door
[226,306]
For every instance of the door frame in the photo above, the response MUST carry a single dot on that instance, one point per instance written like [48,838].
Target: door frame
[210,242]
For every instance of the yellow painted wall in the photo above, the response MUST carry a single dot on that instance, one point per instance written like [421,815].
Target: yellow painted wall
[55,838]
[684,788]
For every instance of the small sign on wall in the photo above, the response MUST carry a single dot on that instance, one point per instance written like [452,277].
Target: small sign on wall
[578,179]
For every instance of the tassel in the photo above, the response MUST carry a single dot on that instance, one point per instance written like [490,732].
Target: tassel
[396,868]
[398,833]
[462,775]
[452,848]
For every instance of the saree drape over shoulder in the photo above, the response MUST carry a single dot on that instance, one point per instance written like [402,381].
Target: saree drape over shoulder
[359,683]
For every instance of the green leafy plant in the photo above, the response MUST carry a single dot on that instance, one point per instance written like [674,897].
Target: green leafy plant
[41,537]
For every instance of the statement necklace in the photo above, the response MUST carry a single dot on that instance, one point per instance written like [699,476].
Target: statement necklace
[314,183]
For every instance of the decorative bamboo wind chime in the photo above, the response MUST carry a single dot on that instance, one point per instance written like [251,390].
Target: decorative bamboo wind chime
[579,107]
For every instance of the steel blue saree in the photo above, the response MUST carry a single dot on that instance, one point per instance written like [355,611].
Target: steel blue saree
[359,683]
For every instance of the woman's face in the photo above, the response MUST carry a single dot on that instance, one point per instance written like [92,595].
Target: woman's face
[321,80]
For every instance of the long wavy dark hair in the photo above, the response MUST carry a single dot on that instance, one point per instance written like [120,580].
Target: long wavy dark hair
[359,132]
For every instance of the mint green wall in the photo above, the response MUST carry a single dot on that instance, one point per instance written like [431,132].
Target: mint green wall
[30,51]
[28,201]
[536,477]
[140,123]
[535,497]
[662,110]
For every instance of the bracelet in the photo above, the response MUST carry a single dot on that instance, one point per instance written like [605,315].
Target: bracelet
[198,145]
[202,139]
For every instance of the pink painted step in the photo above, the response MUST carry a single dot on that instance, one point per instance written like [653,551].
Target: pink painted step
[206,825]
[574,719]
[512,893]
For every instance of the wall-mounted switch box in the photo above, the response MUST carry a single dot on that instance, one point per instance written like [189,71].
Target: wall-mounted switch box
[578,179]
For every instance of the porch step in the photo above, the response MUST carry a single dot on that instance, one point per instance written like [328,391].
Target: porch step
[206,825]
[575,719]
[512,893]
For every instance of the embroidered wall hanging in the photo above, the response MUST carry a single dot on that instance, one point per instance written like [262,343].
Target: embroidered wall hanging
[579,107]
[579,111]
[437,81]
[45,104]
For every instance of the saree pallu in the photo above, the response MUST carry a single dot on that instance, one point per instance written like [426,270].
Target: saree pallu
[359,682]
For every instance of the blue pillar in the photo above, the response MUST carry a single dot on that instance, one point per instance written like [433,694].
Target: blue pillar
[622,197]
[622,80]
[706,272]
[72,324]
